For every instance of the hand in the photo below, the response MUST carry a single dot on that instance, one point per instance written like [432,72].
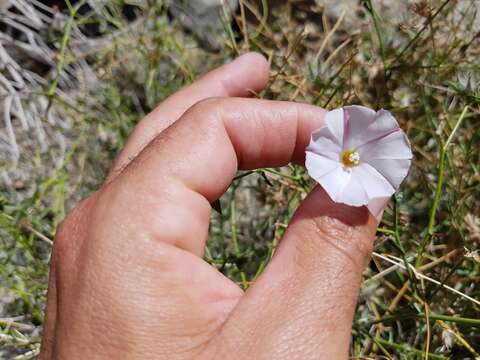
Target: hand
[127,277]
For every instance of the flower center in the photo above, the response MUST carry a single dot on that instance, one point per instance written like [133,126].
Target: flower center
[350,158]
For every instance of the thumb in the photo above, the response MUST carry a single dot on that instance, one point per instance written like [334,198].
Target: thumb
[305,300]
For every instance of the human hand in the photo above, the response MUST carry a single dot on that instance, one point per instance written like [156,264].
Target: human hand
[127,277]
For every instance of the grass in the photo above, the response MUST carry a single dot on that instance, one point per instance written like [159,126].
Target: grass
[421,287]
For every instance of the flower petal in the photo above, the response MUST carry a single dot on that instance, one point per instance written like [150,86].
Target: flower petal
[356,119]
[394,170]
[329,174]
[365,184]
[324,143]
[318,165]
[335,122]
[353,193]
[364,125]
[377,206]
[384,151]
[374,183]
[392,146]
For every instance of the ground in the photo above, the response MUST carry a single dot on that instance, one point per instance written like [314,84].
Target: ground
[74,80]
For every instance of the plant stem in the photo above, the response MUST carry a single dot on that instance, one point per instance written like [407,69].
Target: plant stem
[398,243]
[377,30]
[236,248]
[407,348]
[417,35]
[454,319]
[63,46]
[438,190]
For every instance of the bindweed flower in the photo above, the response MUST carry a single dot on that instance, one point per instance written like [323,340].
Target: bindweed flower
[359,155]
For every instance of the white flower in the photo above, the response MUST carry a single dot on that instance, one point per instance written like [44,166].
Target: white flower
[359,155]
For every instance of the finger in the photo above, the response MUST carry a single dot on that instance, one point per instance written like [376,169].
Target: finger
[48,336]
[166,191]
[312,281]
[246,74]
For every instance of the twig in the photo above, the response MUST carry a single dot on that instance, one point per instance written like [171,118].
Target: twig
[236,248]
[427,322]
[15,153]
[63,47]
[454,319]
[417,35]
[406,348]
[420,275]
[12,322]
[37,233]
[460,339]
[320,51]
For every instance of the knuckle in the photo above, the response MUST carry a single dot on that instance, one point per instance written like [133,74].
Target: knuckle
[208,105]
[340,234]
[204,116]
[352,239]
[70,232]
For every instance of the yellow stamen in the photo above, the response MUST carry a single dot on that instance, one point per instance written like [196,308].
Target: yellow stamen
[350,158]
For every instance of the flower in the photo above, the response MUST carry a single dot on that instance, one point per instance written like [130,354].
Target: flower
[359,155]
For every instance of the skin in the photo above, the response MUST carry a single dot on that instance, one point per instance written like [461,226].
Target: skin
[127,278]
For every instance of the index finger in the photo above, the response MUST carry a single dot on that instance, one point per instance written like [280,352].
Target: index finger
[246,74]
[168,188]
